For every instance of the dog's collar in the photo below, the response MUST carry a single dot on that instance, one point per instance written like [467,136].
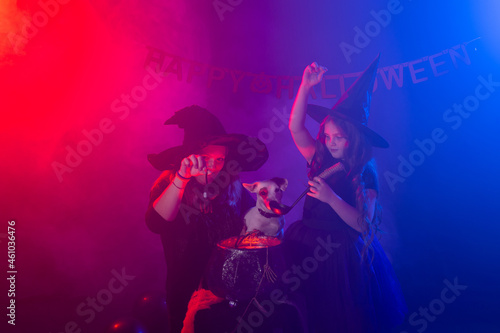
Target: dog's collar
[268,215]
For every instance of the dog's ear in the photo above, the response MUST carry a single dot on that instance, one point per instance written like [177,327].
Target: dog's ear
[281,182]
[251,187]
[284,185]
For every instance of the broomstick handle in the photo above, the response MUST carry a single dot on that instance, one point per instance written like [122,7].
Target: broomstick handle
[324,175]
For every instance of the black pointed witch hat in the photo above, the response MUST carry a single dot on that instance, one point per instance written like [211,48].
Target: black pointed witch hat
[354,105]
[202,128]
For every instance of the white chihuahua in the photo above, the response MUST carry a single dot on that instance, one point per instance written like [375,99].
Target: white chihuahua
[261,217]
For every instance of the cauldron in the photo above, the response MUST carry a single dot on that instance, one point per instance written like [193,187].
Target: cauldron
[243,267]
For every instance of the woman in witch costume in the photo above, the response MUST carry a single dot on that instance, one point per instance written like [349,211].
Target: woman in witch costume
[198,200]
[352,287]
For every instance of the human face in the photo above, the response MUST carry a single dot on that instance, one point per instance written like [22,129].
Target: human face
[214,157]
[335,140]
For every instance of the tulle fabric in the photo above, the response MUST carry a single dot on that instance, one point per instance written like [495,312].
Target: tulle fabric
[338,291]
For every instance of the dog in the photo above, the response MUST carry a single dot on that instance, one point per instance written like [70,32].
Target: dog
[261,217]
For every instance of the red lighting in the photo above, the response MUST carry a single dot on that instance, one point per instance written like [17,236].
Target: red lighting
[252,241]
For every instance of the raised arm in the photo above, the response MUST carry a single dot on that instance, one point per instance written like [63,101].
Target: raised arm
[313,74]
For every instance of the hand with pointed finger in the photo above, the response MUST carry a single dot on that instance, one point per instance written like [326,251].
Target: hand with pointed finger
[320,190]
[192,166]
[313,74]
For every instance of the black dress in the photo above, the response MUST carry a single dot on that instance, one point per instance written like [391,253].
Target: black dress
[337,291]
[189,239]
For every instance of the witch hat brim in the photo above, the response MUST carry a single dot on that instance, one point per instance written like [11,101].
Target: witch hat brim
[201,129]
[354,105]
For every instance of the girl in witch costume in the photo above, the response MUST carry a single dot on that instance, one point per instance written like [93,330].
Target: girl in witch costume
[198,200]
[352,287]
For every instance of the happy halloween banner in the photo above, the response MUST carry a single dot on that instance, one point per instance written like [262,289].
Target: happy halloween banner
[332,85]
